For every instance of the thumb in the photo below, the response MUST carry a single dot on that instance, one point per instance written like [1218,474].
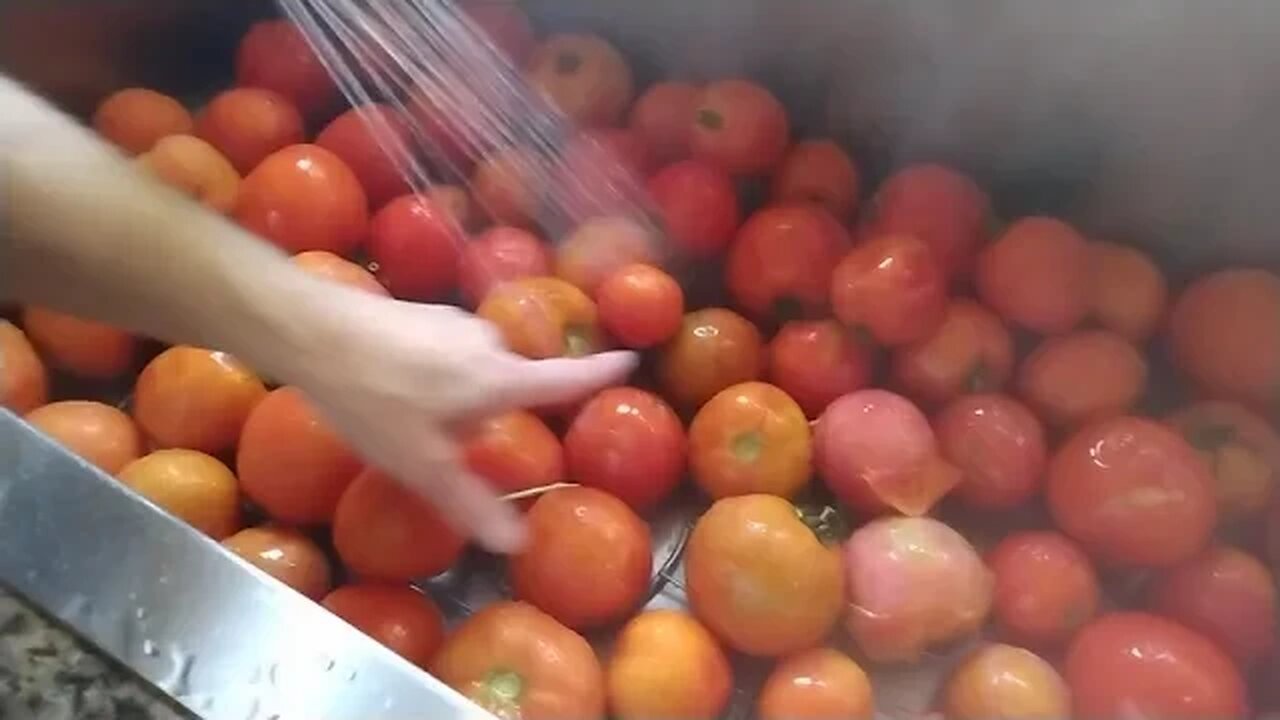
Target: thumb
[534,383]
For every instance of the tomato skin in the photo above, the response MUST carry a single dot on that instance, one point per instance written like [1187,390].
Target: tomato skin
[1241,449]
[1046,588]
[304,198]
[513,646]
[1132,492]
[740,126]
[246,125]
[760,579]
[583,532]
[750,438]
[416,244]
[940,206]
[601,246]
[891,286]
[1132,664]
[665,664]
[24,381]
[403,619]
[99,433]
[498,255]
[351,137]
[326,265]
[629,443]
[640,305]
[84,348]
[504,186]
[193,398]
[699,206]
[817,361]
[1036,275]
[287,555]
[998,444]
[817,171]
[715,348]
[1129,292]
[663,117]
[817,684]
[196,168]
[543,317]
[971,351]
[505,25]
[274,54]
[1083,376]
[781,261]
[514,451]
[582,75]
[193,487]
[135,119]
[1002,681]
[597,169]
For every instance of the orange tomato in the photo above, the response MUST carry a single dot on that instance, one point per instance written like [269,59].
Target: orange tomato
[353,137]
[518,663]
[1002,681]
[640,305]
[84,348]
[666,665]
[750,438]
[970,352]
[504,186]
[760,578]
[96,432]
[714,348]
[275,54]
[1129,293]
[383,531]
[817,684]
[817,171]
[286,555]
[582,75]
[194,487]
[189,397]
[1240,448]
[24,382]
[325,264]
[193,166]
[136,118]
[514,451]
[1082,376]
[600,247]
[1036,275]
[543,318]
[398,616]
[248,124]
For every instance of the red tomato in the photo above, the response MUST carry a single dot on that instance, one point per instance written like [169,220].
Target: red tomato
[665,664]
[817,361]
[1036,275]
[304,198]
[698,205]
[750,438]
[1046,588]
[1129,292]
[24,381]
[971,351]
[781,260]
[441,119]
[326,265]
[416,245]
[1137,665]
[286,555]
[498,255]
[940,206]
[354,137]
[1132,492]
[818,171]
[715,348]
[83,348]
[1225,594]
[817,684]
[578,534]
[998,445]
[275,55]
[504,185]
[629,443]
[663,117]
[514,451]
[892,287]
[505,25]
[1083,376]
[248,124]
[455,201]
[1242,450]
[600,247]
[740,126]
[582,75]
[543,317]
[598,168]
[640,305]
[398,616]
[135,119]
[1002,681]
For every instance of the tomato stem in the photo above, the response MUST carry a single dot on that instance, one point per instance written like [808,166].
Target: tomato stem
[826,522]
[710,119]
[568,62]
[979,378]
[1211,436]
[747,446]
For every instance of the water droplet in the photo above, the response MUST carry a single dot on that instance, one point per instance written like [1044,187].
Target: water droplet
[328,664]
[140,613]
[206,703]
[253,708]
[389,704]
[176,683]
[133,597]
[273,675]
[351,676]
[149,648]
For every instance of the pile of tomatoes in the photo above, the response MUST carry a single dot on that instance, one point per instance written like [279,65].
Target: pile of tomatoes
[976,400]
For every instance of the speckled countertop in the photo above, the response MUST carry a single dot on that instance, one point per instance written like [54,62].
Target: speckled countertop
[48,674]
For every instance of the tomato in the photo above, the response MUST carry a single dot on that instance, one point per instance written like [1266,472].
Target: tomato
[84,348]
[760,578]
[939,205]
[326,265]
[699,207]
[1083,376]
[498,255]
[666,665]
[578,534]
[248,124]
[600,247]
[715,348]
[663,117]
[1046,588]
[583,76]
[640,305]
[291,462]
[876,452]
[135,119]
[1132,492]
[817,361]
[354,137]
[504,184]
[1129,292]
[1137,665]
[275,54]
[193,487]
[403,619]
[505,25]
[817,684]
[543,317]
[781,260]
[629,443]
[740,126]
[1225,594]
[441,118]
[998,445]
[24,381]
[518,663]
[597,171]
[385,531]
[750,438]
[514,451]
[304,198]
[971,351]
[189,397]
[287,555]
[96,432]
[1036,275]
[196,168]
[818,171]
[1002,681]
[416,245]
[1240,448]
[1224,333]
[892,288]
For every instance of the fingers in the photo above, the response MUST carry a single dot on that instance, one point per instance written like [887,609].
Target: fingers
[535,383]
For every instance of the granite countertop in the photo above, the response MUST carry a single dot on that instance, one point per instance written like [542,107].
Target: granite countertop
[48,674]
